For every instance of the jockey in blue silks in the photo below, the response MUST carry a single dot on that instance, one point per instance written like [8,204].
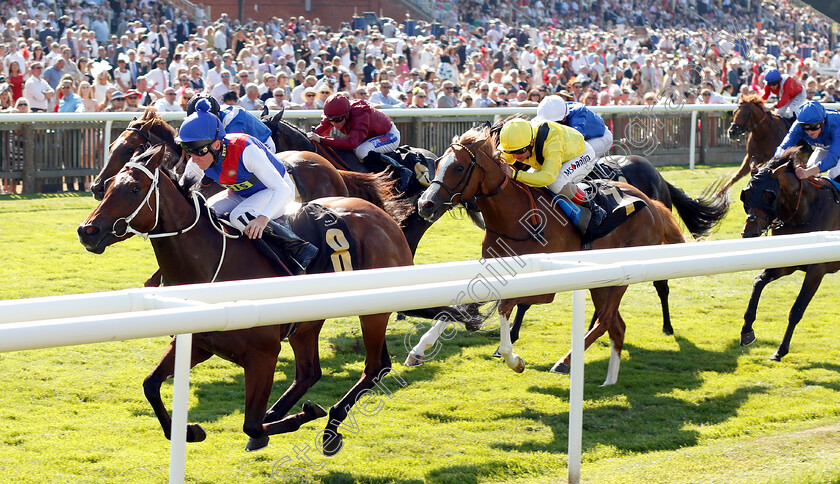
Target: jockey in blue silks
[258,188]
[577,116]
[235,119]
[819,128]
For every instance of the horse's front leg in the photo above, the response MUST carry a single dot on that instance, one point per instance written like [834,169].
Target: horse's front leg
[766,277]
[307,372]
[377,366]
[162,372]
[259,376]
[514,361]
[155,279]
[521,309]
[813,277]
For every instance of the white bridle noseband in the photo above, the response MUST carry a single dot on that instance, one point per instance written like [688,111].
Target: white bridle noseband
[155,187]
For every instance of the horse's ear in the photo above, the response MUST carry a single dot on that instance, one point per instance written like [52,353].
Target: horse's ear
[455,139]
[753,165]
[279,116]
[783,168]
[264,112]
[157,157]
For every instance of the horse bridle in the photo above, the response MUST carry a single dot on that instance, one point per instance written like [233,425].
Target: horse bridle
[465,179]
[155,187]
[775,223]
[755,124]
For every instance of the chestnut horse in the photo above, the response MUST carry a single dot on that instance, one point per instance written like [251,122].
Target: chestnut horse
[766,132]
[470,170]
[191,247]
[775,199]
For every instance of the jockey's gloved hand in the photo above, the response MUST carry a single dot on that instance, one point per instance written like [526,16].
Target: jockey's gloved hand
[313,136]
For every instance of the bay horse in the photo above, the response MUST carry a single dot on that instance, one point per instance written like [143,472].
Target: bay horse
[775,199]
[766,132]
[470,169]
[191,247]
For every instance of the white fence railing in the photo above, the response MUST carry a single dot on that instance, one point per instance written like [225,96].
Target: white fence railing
[43,150]
[88,318]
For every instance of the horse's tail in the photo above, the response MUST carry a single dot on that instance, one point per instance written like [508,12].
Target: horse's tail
[700,215]
[469,314]
[378,189]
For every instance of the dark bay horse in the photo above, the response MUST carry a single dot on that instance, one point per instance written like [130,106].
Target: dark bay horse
[191,247]
[775,199]
[470,170]
[766,132]
[287,136]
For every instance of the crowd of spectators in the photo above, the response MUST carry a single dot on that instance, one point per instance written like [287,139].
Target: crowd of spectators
[85,56]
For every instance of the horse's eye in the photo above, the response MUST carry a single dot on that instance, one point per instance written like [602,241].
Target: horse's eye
[459,168]
[135,188]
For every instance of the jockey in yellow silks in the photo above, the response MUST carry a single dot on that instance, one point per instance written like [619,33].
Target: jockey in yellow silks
[558,155]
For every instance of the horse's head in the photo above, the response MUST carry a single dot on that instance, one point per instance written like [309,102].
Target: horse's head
[128,205]
[764,194]
[746,117]
[286,136]
[150,129]
[461,173]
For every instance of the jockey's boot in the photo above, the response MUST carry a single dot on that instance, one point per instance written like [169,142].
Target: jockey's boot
[378,159]
[598,213]
[299,250]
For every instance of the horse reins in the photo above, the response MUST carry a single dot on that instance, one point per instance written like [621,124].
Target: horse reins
[155,187]
[465,179]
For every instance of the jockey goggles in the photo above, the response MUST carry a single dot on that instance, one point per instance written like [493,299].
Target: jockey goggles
[812,126]
[197,148]
[337,119]
[520,151]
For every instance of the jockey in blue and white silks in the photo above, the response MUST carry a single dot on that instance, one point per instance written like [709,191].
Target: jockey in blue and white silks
[820,128]
[258,188]
[577,116]
[238,120]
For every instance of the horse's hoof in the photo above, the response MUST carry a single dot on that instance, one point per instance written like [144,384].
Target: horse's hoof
[668,331]
[413,360]
[561,368]
[778,355]
[747,338]
[195,433]
[400,317]
[313,410]
[333,445]
[256,444]
[520,365]
[496,354]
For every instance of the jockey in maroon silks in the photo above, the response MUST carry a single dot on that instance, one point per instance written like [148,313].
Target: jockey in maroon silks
[367,131]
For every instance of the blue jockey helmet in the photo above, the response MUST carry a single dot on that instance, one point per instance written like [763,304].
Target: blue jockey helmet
[201,127]
[772,75]
[810,113]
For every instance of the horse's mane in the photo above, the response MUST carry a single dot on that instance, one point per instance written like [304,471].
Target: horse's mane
[192,185]
[157,125]
[789,155]
[496,129]
[755,99]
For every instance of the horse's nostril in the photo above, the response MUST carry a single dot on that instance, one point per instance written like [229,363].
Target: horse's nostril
[90,230]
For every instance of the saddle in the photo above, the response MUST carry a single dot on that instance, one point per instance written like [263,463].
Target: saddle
[618,204]
[321,227]
[606,169]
